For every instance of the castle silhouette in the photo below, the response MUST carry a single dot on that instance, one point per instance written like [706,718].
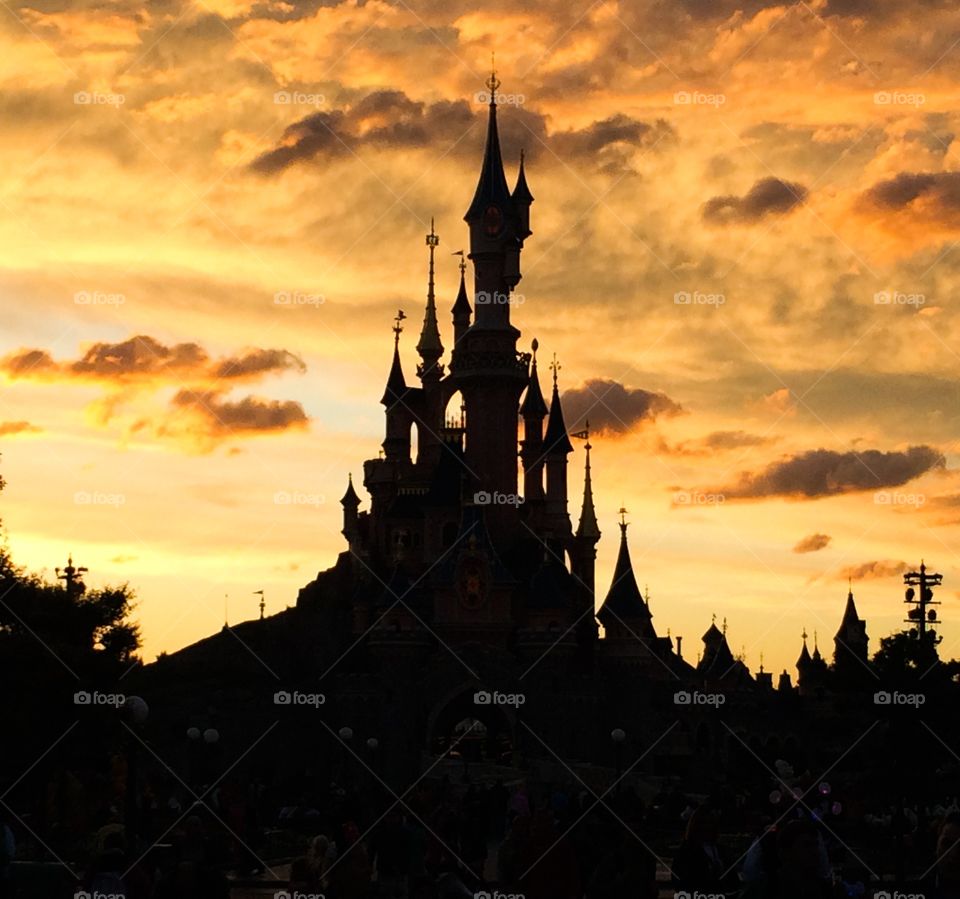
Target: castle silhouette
[457,583]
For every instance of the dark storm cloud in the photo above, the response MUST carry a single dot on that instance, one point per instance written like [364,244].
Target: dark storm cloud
[822,472]
[813,543]
[937,192]
[613,408]
[868,571]
[143,358]
[716,442]
[618,129]
[768,196]
[389,119]
[250,414]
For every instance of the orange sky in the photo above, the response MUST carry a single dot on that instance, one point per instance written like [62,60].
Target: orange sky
[744,244]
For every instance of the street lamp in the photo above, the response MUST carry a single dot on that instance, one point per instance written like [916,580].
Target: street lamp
[137,711]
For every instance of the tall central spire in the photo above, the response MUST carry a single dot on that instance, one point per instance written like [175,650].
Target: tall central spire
[429,346]
[492,187]
[588,526]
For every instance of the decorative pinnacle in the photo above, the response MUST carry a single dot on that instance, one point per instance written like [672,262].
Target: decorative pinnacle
[622,512]
[432,238]
[463,260]
[555,366]
[397,327]
[493,82]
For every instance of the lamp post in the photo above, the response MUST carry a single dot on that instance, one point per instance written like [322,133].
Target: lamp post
[136,711]
[198,739]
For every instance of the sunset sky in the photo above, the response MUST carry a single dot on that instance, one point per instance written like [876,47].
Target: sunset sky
[744,256]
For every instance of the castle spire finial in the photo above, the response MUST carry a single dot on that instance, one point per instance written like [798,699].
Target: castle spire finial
[397,327]
[493,82]
[555,367]
[430,347]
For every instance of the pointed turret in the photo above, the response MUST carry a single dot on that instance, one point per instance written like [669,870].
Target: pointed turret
[556,448]
[397,398]
[522,198]
[555,439]
[350,499]
[624,602]
[851,647]
[803,663]
[350,503]
[429,346]
[492,187]
[461,308]
[396,384]
[533,410]
[588,527]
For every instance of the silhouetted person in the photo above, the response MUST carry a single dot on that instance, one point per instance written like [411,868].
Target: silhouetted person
[626,869]
[948,857]
[798,873]
[698,865]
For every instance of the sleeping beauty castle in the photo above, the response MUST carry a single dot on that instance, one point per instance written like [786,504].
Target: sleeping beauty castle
[467,590]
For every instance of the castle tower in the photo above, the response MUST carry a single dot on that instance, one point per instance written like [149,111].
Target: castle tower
[399,417]
[583,551]
[350,503]
[624,614]
[851,646]
[430,372]
[533,410]
[556,448]
[485,365]
[461,310]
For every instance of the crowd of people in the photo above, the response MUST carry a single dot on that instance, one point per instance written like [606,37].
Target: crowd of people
[463,840]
